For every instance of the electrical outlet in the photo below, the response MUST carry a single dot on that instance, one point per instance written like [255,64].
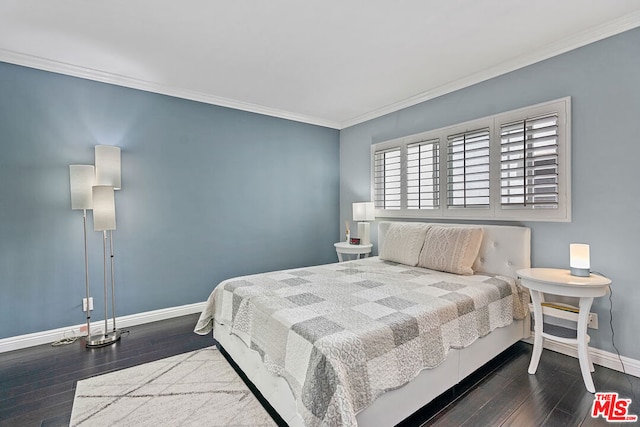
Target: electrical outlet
[593,321]
[84,304]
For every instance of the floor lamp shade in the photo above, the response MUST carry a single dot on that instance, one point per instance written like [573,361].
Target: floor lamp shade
[108,170]
[104,208]
[81,179]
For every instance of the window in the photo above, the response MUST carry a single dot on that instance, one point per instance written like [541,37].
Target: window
[510,166]
[423,177]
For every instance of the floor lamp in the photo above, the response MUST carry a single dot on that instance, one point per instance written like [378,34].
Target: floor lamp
[82,179]
[104,219]
[108,179]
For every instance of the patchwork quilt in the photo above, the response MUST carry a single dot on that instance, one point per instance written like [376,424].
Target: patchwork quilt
[342,334]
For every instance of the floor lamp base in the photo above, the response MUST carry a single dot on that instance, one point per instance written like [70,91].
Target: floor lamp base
[102,340]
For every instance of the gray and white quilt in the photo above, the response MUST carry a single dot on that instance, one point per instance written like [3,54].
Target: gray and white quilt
[343,334]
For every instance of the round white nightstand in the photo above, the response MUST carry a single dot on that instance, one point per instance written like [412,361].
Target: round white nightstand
[554,281]
[344,248]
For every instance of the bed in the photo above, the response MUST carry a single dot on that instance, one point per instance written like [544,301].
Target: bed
[369,342]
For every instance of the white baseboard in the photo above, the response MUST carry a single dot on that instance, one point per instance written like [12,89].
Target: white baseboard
[598,357]
[46,337]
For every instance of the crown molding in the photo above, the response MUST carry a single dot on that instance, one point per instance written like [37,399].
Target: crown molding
[128,82]
[611,28]
[583,38]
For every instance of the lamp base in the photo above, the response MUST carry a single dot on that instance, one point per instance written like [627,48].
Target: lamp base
[364,233]
[579,272]
[102,340]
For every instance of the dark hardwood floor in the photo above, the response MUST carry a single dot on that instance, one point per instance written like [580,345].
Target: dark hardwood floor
[37,384]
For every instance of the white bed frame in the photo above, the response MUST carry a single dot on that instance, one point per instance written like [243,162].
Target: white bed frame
[504,250]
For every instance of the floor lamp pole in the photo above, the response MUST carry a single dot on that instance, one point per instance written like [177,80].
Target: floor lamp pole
[107,338]
[104,248]
[113,286]
[86,272]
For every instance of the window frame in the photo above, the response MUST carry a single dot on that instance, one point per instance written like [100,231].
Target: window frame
[561,107]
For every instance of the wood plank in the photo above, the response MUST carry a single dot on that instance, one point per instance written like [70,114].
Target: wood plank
[468,404]
[539,405]
[558,418]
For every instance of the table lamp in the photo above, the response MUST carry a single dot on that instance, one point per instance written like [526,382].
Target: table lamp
[579,259]
[363,212]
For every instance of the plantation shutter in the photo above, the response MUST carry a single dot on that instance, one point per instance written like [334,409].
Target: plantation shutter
[423,175]
[386,177]
[468,169]
[529,163]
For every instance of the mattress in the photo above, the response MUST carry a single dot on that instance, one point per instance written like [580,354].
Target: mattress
[343,334]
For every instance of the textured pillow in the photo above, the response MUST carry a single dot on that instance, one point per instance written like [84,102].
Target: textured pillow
[451,249]
[403,243]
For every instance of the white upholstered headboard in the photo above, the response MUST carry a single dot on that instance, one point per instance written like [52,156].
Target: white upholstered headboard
[504,250]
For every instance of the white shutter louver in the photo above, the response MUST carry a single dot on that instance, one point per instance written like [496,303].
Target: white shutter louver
[423,166]
[529,163]
[468,169]
[386,175]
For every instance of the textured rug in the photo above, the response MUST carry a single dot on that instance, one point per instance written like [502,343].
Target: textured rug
[192,389]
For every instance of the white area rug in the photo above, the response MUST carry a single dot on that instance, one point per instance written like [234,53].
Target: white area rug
[192,389]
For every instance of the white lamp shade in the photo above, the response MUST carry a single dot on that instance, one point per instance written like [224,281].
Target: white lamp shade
[104,208]
[81,179]
[108,171]
[579,256]
[363,211]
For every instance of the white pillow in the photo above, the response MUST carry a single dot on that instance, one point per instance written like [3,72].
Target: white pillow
[451,249]
[403,243]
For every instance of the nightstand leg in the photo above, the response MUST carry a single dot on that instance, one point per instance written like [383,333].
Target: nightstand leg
[583,348]
[340,257]
[538,340]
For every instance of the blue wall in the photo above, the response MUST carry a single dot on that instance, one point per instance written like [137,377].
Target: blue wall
[603,80]
[207,193]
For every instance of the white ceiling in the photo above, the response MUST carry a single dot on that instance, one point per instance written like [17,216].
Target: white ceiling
[332,62]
